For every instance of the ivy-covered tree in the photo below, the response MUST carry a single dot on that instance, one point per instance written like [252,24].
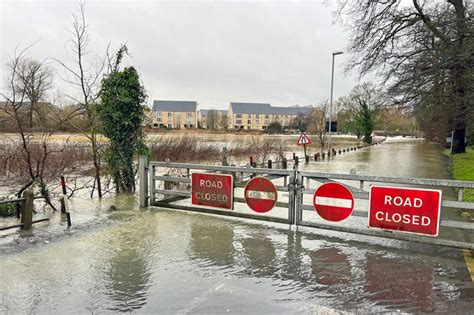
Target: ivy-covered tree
[121,112]
[365,120]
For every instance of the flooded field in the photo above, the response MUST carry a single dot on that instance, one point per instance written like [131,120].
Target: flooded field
[164,261]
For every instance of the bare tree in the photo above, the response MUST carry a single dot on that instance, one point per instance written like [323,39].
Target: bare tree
[212,119]
[84,75]
[424,49]
[224,121]
[34,79]
[316,121]
[34,154]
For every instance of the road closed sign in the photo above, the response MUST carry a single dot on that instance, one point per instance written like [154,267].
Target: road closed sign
[405,209]
[212,190]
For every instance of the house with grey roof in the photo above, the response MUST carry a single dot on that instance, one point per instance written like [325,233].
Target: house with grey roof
[174,114]
[258,116]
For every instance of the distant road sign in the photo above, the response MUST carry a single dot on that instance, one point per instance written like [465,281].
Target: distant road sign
[333,202]
[405,209]
[303,139]
[260,194]
[213,190]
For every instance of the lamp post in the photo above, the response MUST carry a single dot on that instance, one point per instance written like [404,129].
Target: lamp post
[330,101]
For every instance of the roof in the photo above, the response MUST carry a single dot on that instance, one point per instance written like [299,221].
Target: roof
[251,108]
[174,106]
[204,112]
[292,110]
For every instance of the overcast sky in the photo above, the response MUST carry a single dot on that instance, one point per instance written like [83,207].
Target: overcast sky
[213,52]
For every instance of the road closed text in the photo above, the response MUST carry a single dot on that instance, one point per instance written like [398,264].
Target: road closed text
[213,190]
[405,209]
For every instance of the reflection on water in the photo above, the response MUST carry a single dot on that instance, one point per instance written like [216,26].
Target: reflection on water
[127,271]
[330,266]
[176,262]
[395,282]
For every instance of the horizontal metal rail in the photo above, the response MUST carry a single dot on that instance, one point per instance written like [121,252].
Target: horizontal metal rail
[16,200]
[393,180]
[390,234]
[230,169]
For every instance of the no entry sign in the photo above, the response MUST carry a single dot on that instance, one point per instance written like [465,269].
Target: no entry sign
[260,194]
[405,209]
[213,190]
[333,202]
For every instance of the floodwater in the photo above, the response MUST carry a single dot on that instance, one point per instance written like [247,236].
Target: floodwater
[165,261]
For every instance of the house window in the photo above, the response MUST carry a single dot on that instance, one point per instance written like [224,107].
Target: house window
[249,122]
[238,121]
[238,115]
[159,119]
[189,114]
[170,126]
[256,115]
[158,114]
[267,116]
[170,114]
[267,122]
[257,122]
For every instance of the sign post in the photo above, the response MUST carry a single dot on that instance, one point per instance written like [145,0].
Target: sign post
[213,190]
[405,209]
[260,194]
[333,202]
[304,140]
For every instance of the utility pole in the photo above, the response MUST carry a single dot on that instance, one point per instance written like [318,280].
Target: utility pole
[330,102]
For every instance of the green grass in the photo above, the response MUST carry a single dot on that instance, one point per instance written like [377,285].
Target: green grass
[463,169]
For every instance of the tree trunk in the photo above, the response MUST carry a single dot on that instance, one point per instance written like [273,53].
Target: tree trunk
[459,144]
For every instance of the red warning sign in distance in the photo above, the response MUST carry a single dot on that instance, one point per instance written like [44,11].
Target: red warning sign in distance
[333,202]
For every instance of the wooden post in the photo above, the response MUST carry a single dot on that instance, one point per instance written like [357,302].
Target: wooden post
[27,210]
[284,164]
[306,158]
[269,164]
[143,178]
[322,155]
[224,156]
[296,160]
[294,155]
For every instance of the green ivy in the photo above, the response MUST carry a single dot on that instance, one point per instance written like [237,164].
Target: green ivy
[122,112]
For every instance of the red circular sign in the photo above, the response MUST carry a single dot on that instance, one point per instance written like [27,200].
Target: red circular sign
[333,202]
[260,194]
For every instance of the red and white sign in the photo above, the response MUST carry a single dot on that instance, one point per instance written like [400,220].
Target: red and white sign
[213,190]
[405,209]
[303,139]
[333,202]
[260,194]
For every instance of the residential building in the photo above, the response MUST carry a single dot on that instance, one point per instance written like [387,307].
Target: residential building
[215,116]
[258,116]
[174,114]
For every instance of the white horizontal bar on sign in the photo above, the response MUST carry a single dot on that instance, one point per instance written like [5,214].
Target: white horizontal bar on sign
[256,194]
[333,202]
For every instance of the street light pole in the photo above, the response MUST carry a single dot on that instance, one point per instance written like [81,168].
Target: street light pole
[330,100]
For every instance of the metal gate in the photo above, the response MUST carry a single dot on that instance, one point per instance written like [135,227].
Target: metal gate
[168,185]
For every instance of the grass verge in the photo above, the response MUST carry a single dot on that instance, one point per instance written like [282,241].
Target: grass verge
[462,168]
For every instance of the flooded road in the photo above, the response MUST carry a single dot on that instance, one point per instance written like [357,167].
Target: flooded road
[176,262]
